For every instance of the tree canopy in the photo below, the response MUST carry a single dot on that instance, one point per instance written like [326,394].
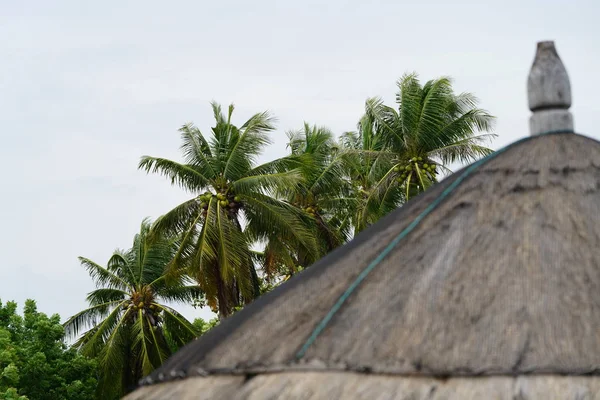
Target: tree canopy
[35,362]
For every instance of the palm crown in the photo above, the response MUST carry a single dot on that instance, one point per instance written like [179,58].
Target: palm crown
[318,197]
[369,164]
[133,330]
[431,128]
[234,205]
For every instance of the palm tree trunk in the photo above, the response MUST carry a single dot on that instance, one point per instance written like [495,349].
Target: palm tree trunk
[131,371]
[302,258]
[255,281]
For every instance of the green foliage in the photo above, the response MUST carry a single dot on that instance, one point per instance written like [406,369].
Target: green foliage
[316,199]
[404,150]
[35,363]
[229,191]
[204,326]
[131,329]
[366,169]
[297,208]
[12,394]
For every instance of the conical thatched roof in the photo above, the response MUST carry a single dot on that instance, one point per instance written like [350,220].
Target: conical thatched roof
[487,286]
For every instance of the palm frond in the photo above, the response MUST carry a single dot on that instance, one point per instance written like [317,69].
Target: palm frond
[106,295]
[280,182]
[331,177]
[141,342]
[159,345]
[188,177]
[277,257]
[104,330]
[280,165]
[119,263]
[102,276]
[248,145]
[178,219]
[465,123]
[200,252]
[196,150]
[154,256]
[232,248]
[436,99]
[107,343]
[267,216]
[179,294]
[409,104]
[89,317]
[465,150]
[187,243]
[383,118]
[178,327]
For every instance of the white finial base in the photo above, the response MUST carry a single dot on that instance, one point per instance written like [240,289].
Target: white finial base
[545,121]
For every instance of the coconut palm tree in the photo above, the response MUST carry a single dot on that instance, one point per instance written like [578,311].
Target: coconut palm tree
[233,206]
[322,192]
[432,128]
[365,169]
[132,330]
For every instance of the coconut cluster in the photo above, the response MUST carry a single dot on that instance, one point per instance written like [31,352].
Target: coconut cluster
[312,210]
[225,199]
[142,301]
[141,306]
[414,164]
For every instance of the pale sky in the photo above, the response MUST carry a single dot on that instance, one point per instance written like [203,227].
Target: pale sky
[86,88]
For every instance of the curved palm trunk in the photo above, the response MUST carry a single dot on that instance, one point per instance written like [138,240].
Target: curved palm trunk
[131,372]
[331,241]
[303,258]
[255,280]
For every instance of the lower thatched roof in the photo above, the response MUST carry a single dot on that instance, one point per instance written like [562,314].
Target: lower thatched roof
[501,277]
[356,386]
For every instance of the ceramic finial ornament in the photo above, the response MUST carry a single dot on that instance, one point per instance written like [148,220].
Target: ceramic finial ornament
[549,92]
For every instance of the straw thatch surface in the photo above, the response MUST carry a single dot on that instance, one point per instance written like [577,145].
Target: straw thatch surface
[503,278]
[344,385]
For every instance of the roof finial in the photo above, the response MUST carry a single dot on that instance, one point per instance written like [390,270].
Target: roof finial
[549,92]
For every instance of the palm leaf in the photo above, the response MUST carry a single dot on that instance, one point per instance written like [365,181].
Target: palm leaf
[141,341]
[267,216]
[102,276]
[120,264]
[106,295]
[179,294]
[112,333]
[104,331]
[179,329]
[248,145]
[232,248]
[196,150]
[186,176]
[277,182]
[89,317]
[409,104]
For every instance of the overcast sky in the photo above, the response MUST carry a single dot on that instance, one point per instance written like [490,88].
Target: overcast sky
[86,88]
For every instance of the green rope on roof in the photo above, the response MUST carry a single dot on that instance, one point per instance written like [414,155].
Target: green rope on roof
[386,251]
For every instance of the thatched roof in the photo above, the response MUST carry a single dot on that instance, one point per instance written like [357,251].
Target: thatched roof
[485,286]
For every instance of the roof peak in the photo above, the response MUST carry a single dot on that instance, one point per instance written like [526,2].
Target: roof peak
[549,92]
